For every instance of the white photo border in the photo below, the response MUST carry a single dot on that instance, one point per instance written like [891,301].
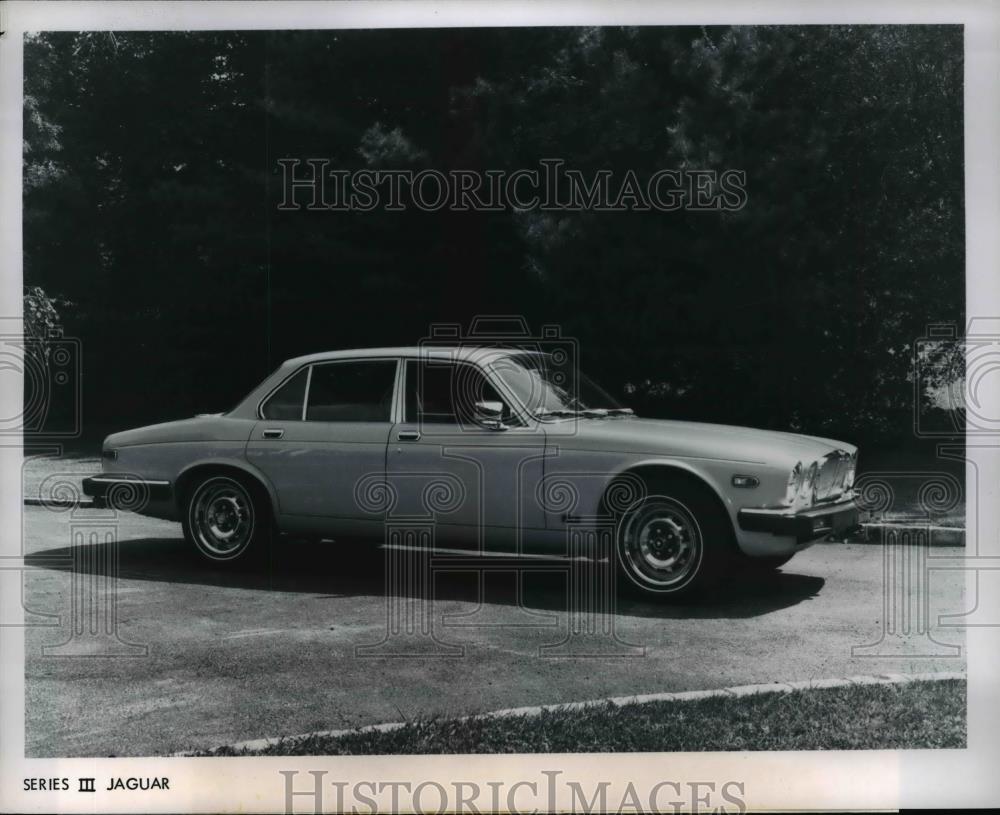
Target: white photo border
[794,780]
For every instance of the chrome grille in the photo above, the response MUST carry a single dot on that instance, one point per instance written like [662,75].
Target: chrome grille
[834,468]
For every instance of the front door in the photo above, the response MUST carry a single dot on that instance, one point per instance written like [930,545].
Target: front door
[476,479]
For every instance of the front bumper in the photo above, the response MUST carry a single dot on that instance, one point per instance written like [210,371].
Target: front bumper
[804,526]
[125,492]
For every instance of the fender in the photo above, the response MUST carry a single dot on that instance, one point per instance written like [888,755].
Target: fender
[677,464]
[238,464]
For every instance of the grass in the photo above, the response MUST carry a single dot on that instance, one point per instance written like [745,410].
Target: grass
[866,717]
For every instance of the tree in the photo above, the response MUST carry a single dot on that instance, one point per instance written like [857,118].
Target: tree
[152,184]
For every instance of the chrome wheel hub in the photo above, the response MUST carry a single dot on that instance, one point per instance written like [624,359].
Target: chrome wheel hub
[664,543]
[222,518]
[661,544]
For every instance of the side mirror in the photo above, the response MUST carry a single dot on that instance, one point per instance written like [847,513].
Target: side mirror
[490,414]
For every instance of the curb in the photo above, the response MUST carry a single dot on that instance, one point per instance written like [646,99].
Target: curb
[912,533]
[619,701]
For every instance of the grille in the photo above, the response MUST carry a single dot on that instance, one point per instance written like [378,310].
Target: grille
[832,481]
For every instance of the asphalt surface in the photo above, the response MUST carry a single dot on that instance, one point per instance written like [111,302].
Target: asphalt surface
[302,645]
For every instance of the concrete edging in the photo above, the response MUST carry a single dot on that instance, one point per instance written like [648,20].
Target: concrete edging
[908,534]
[620,701]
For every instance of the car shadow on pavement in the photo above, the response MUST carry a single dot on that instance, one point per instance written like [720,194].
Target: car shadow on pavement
[346,570]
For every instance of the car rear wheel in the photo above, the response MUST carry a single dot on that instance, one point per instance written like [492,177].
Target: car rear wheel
[673,543]
[225,521]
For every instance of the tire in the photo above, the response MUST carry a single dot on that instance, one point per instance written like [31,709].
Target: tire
[675,542]
[227,521]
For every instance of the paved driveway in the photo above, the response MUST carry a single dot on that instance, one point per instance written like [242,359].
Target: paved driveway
[227,657]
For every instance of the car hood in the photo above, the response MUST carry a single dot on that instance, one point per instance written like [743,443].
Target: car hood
[693,440]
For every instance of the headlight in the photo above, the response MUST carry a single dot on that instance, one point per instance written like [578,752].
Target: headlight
[805,496]
[794,482]
[849,478]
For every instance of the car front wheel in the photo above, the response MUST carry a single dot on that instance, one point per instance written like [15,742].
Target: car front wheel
[672,543]
[225,522]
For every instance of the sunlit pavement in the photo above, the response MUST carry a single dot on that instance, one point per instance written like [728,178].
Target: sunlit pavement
[202,657]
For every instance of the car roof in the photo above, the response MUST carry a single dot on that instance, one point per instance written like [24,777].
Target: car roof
[477,354]
[465,353]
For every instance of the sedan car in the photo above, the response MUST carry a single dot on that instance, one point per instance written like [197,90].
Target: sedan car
[494,448]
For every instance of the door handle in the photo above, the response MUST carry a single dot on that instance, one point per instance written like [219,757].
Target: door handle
[408,435]
[273,433]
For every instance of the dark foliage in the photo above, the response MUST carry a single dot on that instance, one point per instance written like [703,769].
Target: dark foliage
[151,191]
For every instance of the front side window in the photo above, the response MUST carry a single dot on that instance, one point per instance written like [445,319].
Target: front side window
[286,402]
[445,393]
[351,391]
[547,389]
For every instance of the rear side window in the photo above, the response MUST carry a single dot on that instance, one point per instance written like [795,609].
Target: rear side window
[286,402]
[351,391]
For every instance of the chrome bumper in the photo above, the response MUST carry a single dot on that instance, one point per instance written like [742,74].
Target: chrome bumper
[805,525]
[123,492]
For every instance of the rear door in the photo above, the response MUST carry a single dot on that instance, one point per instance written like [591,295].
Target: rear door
[323,431]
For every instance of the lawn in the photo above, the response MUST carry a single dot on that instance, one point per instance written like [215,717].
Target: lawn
[866,717]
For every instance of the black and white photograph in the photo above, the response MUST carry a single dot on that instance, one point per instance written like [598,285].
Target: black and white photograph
[564,408]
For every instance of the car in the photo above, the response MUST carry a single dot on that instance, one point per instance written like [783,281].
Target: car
[505,449]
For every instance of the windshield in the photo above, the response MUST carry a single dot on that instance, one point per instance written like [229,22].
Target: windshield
[548,389]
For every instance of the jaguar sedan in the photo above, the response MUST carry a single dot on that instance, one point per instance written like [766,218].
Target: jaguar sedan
[489,448]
